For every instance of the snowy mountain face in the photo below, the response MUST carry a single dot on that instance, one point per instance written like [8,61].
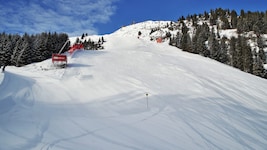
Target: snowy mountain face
[135,94]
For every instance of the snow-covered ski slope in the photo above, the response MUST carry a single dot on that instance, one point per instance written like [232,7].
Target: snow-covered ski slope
[99,101]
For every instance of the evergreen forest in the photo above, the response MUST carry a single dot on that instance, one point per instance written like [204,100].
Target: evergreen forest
[17,50]
[200,34]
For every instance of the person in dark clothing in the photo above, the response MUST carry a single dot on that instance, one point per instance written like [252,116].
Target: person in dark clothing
[3,69]
[3,66]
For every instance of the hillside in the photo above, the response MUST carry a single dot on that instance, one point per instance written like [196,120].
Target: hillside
[99,101]
[239,41]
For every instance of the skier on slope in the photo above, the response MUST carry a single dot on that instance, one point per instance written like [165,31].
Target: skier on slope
[3,65]
[139,34]
[3,69]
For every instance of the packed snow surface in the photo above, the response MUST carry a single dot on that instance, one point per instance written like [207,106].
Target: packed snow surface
[137,95]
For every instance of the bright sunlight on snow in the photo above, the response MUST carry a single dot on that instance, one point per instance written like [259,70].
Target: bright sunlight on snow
[136,94]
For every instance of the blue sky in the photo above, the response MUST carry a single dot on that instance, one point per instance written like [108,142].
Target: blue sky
[103,16]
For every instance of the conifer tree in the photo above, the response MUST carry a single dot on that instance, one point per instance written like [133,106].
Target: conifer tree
[195,49]
[202,35]
[203,50]
[233,19]
[261,53]
[2,52]
[185,38]
[239,52]
[247,59]
[42,51]
[213,17]
[242,13]
[258,69]
[206,15]
[5,49]
[186,42]
[232,52]
[178,39]
[223,56]
[16,52]
[82,36]
[25,56]
[184,28]
[225,24]
[214,46]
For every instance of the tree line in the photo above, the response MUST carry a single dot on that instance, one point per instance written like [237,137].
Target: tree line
[17,50]
[90,44]
[236,51]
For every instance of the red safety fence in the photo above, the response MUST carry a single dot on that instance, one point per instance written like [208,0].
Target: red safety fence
[75,47]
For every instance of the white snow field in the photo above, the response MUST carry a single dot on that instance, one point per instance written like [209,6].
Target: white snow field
[99,101]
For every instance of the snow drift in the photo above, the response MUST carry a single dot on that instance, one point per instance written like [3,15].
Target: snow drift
[99,101]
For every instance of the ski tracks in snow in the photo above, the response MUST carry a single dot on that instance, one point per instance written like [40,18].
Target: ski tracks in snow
[233,119]
[22,102]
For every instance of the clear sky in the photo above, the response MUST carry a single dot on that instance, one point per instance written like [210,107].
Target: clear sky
[103,16]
